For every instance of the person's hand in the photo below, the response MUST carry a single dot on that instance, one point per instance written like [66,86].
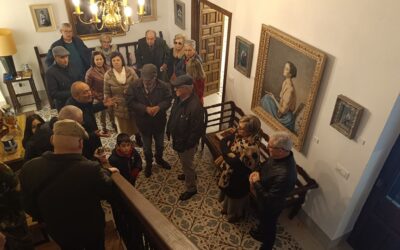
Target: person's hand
[149,111]
[100,133]
[155,110]
[100,154]
[113,170]
[163,67]
[254,177]
[109,101]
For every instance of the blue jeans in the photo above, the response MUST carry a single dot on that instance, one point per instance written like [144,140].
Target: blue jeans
[147,144]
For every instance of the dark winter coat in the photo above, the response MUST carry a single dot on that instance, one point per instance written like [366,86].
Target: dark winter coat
[158,56]
[137,101]
[125,165]
[186,123]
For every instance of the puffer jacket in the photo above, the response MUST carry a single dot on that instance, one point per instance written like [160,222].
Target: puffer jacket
[112,88]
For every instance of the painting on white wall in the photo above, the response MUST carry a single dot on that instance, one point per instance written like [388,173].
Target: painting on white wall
[179,11]
[43,17]
[287,79]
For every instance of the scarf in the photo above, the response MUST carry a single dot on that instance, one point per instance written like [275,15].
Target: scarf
[121,77]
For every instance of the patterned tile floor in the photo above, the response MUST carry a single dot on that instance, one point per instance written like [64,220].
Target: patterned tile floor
[199,218]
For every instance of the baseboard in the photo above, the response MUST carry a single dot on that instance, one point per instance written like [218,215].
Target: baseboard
[337,244]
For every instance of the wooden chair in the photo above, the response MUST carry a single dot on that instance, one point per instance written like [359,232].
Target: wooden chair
[225,115]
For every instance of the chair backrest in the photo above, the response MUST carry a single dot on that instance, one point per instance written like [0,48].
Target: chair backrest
[41,58]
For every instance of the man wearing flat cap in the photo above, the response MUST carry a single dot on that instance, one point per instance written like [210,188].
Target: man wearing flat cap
[64,189]
[149,98]
[186,126]
[60,76]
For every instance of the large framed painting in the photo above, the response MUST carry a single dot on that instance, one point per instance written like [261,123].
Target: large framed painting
[150,10]
[346,116]
[43,17]
[286,85]
[243,55]
[86,31]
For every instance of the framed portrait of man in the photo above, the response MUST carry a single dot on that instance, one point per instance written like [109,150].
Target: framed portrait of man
[43,17]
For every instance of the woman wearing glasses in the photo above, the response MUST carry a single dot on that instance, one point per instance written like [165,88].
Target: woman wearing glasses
[106,47]
[177,53]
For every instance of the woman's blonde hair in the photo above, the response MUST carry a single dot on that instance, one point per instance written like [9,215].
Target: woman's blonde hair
[195,69]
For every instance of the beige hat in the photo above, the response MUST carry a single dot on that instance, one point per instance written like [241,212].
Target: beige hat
[70,128]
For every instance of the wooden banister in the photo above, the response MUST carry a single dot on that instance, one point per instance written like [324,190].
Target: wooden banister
[159,231]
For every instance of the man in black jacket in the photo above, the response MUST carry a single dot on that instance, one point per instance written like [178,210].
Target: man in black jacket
[149,99]
[60,76]
[186,126]
[154,50]
[83,99]
[79,54]
[271,184]
[64,189]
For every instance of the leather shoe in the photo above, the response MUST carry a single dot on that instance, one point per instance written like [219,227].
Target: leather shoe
[147,172]
[255,234]
[187,195]
[182,177]
[164,164]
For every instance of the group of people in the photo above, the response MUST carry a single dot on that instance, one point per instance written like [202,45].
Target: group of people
[67,149]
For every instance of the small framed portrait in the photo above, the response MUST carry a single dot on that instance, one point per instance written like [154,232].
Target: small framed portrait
[243,55]
[43,17]
[150,11]
[346,116]
[179,10]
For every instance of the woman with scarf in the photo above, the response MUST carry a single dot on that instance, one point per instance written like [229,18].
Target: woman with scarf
[116,83]
[240,152]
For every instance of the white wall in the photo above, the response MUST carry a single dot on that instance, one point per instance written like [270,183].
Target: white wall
[16,15]
[361,41]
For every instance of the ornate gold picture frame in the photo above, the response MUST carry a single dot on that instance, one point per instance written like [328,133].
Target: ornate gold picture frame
[86,31]
[287,79]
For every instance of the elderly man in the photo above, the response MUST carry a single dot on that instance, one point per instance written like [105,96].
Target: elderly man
[186,126]
[149,99]
[154,50]
[64,189]
[83,99]
[271,184]
[60,76]
[79,53]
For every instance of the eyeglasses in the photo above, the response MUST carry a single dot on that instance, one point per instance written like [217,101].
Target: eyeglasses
[276,148]
[105,41]
[178,43]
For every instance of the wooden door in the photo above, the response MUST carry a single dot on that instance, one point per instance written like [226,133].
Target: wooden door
[210,45]
[378,226]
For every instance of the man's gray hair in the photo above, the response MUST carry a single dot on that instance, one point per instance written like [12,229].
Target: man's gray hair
[152,31]
[282,140]
[70,112]
[104,36]
[65,25]
[191,43]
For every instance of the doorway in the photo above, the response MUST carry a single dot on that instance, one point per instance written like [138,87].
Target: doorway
[211,27]
[378,226]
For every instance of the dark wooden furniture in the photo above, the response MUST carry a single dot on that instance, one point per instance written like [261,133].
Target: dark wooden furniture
[14,97]
[150,228]
[127,50]
[225,115]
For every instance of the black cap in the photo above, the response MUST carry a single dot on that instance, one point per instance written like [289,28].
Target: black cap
[182,80]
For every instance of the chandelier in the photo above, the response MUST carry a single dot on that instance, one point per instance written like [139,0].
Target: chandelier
[110,14]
